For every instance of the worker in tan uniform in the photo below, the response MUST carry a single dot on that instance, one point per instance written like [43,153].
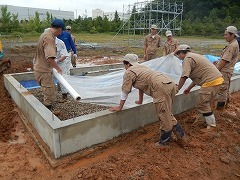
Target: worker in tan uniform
[160,87]
[170,45]
[44,62]
[202,73]
[73,58]
[226,64]
[152,43]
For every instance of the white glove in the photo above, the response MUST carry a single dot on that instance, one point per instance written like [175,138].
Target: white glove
[75,55]
[56,60]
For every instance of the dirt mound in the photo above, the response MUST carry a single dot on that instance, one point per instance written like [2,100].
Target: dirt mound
[22,49]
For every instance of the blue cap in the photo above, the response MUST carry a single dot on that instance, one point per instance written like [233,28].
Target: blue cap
[58,23]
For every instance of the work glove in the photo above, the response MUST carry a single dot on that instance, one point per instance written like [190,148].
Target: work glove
[75,55]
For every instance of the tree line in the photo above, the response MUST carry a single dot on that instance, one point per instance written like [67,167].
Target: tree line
[209,17]
[203,18]
[10,24]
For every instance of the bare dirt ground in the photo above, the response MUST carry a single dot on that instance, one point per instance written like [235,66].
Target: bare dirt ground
[212,155]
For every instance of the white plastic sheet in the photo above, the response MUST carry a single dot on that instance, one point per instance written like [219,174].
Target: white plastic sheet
[106,89]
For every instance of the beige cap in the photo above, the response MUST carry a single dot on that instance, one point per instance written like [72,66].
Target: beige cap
[68,27]
[232,29]
[131,58]
[154,26]
[183,47]
[168,33]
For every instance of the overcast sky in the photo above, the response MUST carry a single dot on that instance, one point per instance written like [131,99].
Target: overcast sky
[79,6]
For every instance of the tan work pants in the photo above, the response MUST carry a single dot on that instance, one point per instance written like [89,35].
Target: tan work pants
[164,108]
[45,80]
[223,93]
[205,98]
[73,60]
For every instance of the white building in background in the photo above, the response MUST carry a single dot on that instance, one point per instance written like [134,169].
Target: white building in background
[29,13]
[96,13]
[109,15]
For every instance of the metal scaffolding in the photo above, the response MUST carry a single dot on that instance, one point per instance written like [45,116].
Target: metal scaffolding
[139,17]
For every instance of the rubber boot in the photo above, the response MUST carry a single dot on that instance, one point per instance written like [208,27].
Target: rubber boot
[221,105]
[181,139]
[165,137]
[210,120]
[178,131]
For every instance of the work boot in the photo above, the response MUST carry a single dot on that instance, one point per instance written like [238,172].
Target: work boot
[221,105]
[178,131]
[210,120]
[164,139]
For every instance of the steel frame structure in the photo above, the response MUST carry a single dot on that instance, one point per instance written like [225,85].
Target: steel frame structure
[139,17]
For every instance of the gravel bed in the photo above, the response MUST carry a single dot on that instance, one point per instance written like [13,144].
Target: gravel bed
[71,108]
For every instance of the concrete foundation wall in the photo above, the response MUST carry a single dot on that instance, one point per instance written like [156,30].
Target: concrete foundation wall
[65,137]
[34,111]
[98,69]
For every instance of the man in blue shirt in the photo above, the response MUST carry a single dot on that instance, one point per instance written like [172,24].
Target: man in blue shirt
[67,39]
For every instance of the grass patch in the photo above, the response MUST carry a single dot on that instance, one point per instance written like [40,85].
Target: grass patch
[125,43]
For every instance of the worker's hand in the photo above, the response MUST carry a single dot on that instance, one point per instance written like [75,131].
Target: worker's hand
[116,108]
[138,102]
[186,91]
[75,55]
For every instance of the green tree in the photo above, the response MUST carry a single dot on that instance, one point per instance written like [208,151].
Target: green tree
[116,22]
[15,26]
[98,23]
[37,23]
[5,20]
[49,17]
[106,24]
